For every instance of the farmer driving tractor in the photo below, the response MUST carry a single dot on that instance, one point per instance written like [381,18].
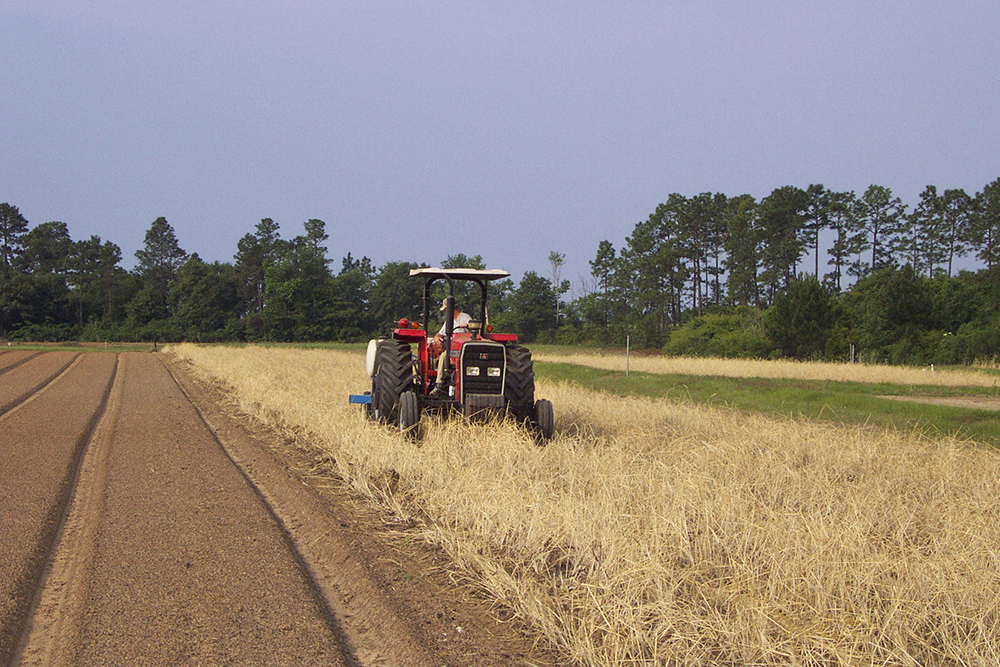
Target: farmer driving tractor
[460,321]
[480,373]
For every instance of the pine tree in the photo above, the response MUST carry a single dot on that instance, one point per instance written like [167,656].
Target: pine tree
[13,228]
[923,243]
[882,216]
[159,260]
[602,268]
[848,239]
[984,234]
[781,216]
[957,209]
[742,246]
[817,218]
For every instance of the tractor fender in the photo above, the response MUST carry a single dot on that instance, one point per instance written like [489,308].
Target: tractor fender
[370,355]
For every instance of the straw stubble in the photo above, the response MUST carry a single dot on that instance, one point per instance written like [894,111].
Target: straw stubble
[658,532]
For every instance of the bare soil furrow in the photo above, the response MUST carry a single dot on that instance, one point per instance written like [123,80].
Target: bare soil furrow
[11,360]
[140,524]
[51,633]
[39,453]
[189,566]
[374,629]
[395,600]
[28,380]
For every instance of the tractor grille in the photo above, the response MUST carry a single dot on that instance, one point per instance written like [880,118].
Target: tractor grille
[482,368]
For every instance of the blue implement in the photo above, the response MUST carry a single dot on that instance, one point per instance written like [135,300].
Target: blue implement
[363,399]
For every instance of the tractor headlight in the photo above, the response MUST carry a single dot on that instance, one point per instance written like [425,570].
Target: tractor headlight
[493,372]
[472,370]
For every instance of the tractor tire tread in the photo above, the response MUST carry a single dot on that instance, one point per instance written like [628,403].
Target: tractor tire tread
[394,367]
[519,381]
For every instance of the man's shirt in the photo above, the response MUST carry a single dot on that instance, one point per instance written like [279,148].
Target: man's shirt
[461,324]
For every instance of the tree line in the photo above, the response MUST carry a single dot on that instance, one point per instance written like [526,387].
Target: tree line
[713,274]
[56,289]
[803,273]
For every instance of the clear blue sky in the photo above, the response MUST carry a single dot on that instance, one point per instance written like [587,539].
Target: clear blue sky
[507,129]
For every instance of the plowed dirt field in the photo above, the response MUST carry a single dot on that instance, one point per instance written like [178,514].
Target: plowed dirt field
[142,525]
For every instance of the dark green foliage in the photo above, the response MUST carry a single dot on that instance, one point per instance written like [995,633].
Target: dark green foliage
[702,275]
[159,260]
[984,230]
[882,216]
[466,293]
[203,299]
[848,240]
[958,214]
[96,280]
[800,319]
[736,333]
[781,220]
[46,249]
[532,308]
[349,317]
[602,267]
[743,247]
[300,297]
[28,301]
[893,309]
[395,295]
[13,228]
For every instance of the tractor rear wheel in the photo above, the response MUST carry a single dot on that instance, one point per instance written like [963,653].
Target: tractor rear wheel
[544,419]
[393,377]
[409,414]
[519,383]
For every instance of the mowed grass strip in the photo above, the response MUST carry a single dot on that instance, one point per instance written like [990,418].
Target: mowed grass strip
[654,531]
[826,400]
[973,376]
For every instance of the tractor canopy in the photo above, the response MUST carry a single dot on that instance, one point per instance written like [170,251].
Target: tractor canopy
[459,274]
[479,276]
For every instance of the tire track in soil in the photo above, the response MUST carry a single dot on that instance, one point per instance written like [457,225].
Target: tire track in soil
[373,630]
[11,360]
[174,542]
[40,453]
[23,383]
[51,632]
[188,566]
[397,605]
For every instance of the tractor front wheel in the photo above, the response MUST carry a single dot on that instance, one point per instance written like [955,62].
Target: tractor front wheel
[409,414]
[544,419]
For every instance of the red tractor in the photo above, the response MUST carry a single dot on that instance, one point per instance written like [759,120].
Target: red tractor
[483,373]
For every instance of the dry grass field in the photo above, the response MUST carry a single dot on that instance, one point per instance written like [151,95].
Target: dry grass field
[783,369]
[665,533]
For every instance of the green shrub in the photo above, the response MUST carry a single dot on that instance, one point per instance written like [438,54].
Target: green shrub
[800,320]
[738,333]
[43,333]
